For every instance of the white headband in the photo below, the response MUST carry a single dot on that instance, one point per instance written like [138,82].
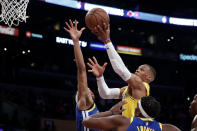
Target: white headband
[142,110]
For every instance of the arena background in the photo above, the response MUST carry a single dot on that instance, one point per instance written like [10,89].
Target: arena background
[38,74]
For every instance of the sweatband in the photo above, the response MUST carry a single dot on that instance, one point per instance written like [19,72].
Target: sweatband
[142,110]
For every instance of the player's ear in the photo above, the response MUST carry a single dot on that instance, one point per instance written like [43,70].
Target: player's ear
[149,78]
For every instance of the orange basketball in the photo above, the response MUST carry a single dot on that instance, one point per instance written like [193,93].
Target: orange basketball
[96,16]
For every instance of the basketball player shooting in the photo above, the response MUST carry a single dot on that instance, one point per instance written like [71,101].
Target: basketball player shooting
[138,82]
[84,98]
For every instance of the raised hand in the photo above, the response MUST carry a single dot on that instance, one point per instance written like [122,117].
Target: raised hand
[96,69]
[73,31]
[116,109]
[103,34]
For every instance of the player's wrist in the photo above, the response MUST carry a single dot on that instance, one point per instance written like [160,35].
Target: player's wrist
[99,77]
[109,45]
[108,40]
[75,40]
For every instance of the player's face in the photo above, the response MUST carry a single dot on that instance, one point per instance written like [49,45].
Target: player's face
[193,106]
[142,71]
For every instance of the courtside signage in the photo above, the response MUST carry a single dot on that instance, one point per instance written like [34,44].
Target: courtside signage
[125,13]
[35,35]
[97,46]
[9,31]
[129,50]
[109,10]
[186,57]
[67,41]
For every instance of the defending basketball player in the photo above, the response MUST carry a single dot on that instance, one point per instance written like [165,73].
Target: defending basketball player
[193,113]
[84,98]
[147,109]
[138,82]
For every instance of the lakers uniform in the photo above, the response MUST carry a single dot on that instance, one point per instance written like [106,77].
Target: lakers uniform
[144,124]
[132,102]
[82,114]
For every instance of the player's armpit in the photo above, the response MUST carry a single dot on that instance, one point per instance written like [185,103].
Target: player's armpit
[85,102]
[121,91]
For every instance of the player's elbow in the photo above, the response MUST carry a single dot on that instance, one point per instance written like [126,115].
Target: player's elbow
[105,96]
[110,94]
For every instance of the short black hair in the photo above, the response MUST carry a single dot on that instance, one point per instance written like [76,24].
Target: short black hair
[151,106]
[153,71]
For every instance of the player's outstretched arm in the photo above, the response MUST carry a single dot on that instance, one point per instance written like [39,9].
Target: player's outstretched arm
[104,91]
[75,35]
[116,61]
[81,68]
[108,120]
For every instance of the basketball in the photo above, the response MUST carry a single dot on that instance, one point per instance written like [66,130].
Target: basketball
[96,16]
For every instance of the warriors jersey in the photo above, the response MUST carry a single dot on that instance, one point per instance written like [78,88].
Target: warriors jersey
[144,124]
[132,102]
[82,114]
